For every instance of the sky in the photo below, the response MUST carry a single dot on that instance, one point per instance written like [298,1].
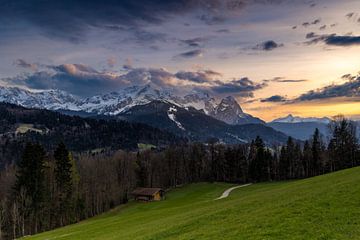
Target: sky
[275,56]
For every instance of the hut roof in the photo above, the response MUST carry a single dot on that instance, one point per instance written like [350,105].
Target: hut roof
[146,191]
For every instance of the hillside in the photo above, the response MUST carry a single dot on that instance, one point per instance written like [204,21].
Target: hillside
[18,125]
[324,207]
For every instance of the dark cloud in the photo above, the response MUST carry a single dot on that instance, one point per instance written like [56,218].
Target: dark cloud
[275,98]
[191,54]
[24,64]
[74,78]
[310,35]
[243,87]
[349,77]
[142,36]
[333,39]
[285,80]
[342,40]
[194,42]
[351,88]
[350,15]
[72,19]
[315,22]
[224,30]
[268,46]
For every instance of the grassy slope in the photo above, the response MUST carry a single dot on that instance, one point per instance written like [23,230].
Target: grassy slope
[325,207]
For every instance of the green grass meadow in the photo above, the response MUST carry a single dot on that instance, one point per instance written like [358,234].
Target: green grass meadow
[324,207]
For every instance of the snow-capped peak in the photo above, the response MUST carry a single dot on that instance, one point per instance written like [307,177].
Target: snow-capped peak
[295,119]
[48,99]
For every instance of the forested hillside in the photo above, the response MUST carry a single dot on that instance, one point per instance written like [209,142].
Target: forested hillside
[19,125]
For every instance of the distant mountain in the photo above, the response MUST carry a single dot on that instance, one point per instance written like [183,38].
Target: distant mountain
[196,125]
[304,128]
[114,103]
[300,130]
[294,119]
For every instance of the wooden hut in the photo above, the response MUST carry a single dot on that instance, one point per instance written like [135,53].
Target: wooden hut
[148,194]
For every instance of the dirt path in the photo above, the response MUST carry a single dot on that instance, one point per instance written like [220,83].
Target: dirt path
[228,191]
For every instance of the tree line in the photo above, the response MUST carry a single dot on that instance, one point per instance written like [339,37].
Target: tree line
[46,190]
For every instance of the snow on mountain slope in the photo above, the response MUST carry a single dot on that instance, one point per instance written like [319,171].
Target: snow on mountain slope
[171,114]
[49,99]
[294,119]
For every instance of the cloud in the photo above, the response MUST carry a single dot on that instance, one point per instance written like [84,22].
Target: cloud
[275,98]
[223,30]
[350,15]
[142,36]
[315,22]
[191,54]
[194,42]
[83,80]
[268,46]
[71,20]
[342,40]
[351,88]
[243,87]
[77,79]
[24,64]
[198,77]
[333,40]
[285,80]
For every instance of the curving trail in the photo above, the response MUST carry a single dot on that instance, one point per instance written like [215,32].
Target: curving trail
[228,191]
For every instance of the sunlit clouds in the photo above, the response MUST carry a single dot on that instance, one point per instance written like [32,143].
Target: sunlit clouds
[275,57]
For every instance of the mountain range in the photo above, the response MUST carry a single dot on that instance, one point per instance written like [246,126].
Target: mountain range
[115,103]
[196,115]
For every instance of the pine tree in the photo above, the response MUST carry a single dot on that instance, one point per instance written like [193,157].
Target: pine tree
[259,164]
[316,153]
[63,179]
[29,185]
[306,159]
[343,145]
